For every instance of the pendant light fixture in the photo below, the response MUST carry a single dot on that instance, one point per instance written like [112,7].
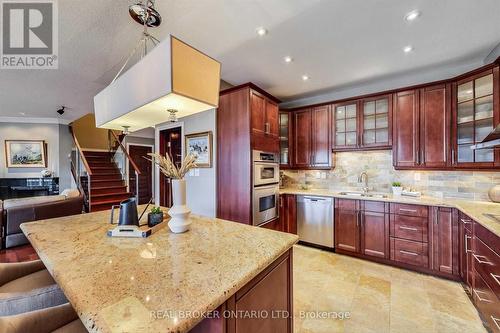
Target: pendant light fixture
[170,75]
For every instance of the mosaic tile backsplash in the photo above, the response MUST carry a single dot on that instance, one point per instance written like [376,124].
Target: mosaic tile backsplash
[472,185]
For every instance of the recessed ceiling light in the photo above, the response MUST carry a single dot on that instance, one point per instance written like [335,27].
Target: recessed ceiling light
[22,113]
[414,14]
[261,31]
[408,49]
[288,59]
[305,77]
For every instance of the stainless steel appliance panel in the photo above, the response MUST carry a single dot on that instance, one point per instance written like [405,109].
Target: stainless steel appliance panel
[315,220]
[265,203]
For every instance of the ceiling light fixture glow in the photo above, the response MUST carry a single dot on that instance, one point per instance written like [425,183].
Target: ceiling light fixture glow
[261,31]
[408,49]
[305,77]
[413,15]
[288,59]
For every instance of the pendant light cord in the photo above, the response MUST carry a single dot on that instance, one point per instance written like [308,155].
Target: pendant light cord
[146,36]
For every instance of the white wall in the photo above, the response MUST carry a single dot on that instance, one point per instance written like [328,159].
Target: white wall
[59,144]
[22,131]
[201,190]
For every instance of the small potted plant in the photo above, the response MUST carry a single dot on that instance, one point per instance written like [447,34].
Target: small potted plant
[397,189]
[155,217]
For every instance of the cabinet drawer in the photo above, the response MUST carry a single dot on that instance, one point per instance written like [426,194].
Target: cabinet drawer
[373,206]
[411,210]
[466,221]
[409,227]
[487,264]
[486,301]
[410,252]
[346,204]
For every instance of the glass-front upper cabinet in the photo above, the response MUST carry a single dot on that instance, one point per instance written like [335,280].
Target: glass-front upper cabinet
[375,121]
[345,120]
[475,118]
[284,132]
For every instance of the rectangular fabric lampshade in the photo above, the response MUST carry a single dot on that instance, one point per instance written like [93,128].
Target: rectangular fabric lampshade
[173,75]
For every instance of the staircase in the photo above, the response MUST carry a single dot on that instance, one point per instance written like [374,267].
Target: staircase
[107,186]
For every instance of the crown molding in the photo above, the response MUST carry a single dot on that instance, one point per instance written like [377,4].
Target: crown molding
[29,120]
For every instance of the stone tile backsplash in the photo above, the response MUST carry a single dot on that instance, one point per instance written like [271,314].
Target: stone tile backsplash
[472,185]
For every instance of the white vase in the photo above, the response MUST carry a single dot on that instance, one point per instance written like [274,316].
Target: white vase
[397,190]
[179,212]
[494,193]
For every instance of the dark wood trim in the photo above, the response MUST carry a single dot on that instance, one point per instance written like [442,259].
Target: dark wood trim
[253,87]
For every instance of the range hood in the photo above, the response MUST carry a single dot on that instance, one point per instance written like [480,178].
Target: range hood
[492,140]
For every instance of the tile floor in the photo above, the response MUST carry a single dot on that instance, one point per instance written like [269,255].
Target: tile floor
[379,298]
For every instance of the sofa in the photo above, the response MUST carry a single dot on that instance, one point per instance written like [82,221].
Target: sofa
[13,212]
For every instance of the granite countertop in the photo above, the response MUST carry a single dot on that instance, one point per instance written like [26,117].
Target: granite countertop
[473,209]
[145,285]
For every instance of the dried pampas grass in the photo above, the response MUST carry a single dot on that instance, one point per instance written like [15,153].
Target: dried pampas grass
[168,167]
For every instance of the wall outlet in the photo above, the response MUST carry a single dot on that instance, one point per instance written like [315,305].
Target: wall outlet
[323,175]
[416,176]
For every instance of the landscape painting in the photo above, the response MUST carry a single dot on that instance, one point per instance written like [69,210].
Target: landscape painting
[200,145]
[25,154]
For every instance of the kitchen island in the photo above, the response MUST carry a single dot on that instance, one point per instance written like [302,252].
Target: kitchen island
[220,276]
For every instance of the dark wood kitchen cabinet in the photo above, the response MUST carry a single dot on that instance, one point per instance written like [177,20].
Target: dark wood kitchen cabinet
[363,124]
[311,138]
[247,119]
[476,110]
[264,115]
[421,128]
[285,136]
[444,240]
[362,227]
[374,229]
[347,225]
[465,250]
[288,213]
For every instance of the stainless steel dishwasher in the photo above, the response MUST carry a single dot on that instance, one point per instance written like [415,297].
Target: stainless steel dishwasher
[315,220]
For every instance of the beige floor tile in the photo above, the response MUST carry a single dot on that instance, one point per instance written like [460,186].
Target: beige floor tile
[379,298]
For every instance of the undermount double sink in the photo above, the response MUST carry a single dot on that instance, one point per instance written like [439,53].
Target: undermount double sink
[366,195]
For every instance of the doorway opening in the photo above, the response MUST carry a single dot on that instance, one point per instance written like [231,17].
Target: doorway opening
[171,144]
[137,153]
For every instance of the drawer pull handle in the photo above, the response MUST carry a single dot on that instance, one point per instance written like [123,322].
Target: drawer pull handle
[496,321]
[478,259]
[479,297]
[409,253]
[466,246]
[495,277]
[407,228]
[466,221]
[407,210]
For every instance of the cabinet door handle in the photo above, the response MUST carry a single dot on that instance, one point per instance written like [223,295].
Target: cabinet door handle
[407,228]
[453,156]
[407,210]
[495,277]
[478,259]
[496,321]
[465,221]
[479,297]
[466,247]
[422,156]
[408,252]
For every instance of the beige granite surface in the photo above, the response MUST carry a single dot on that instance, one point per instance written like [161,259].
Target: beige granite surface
[473,209]
[151,284]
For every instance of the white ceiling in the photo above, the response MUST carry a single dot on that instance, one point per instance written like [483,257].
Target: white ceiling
[336,42]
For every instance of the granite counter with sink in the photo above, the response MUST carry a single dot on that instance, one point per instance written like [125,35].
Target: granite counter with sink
[480,211]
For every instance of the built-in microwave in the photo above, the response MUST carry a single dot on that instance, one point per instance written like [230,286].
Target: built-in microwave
[265,203]
[266,168]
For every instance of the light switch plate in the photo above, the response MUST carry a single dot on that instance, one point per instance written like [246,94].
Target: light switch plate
[196,172]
